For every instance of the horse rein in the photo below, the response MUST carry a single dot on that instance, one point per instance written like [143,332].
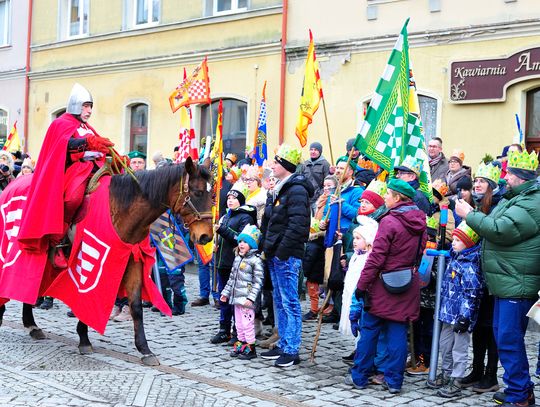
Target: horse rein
[196,215]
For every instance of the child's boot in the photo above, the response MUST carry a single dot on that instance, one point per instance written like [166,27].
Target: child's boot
[248,352]
[237,349]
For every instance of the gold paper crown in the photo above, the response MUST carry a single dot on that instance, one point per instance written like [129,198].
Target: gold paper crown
[523,160]
[289,153]
[379,187]
[240,187]
[440,186]
[466,234]
[489,171]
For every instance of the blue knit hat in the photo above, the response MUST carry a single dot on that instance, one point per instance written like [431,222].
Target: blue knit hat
[251,235]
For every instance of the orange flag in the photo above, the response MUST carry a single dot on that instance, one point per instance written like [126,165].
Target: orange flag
[311,94]
[195,89]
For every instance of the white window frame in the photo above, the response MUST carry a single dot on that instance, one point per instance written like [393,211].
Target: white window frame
[234,8]
[149,16]
[6,35]
[65,19]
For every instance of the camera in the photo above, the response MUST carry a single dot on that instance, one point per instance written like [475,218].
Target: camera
[4,168]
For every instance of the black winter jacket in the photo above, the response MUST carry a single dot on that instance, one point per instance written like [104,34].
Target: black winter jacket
[286,220]
[232,223]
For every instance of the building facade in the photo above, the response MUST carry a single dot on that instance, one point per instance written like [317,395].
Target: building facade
[130,55]
[13,60]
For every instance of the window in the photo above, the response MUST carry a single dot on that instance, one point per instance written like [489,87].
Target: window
[532,128]
[234,125]
[73,18]
[138,128]
[3,126]
[146,12]
[5,30]
[229,6]
[428,114]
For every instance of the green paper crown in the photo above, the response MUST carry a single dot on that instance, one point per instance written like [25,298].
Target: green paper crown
[315,226]
[432,222]
[471,234]
[412,164]
[523,160]
[291,154]
[489,171]
[379,187]
[241,187]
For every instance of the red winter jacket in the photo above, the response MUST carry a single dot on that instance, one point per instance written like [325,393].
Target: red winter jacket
[395,248]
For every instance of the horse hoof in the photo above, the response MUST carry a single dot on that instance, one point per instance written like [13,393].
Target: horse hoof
[37,334]
[150,360]
[86,349]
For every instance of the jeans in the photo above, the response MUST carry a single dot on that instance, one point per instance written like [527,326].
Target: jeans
[206,279]
[509,325]
[366,349]
[177,283]
[288,313]
[225,309]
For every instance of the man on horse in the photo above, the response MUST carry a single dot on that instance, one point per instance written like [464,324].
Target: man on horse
[72,150]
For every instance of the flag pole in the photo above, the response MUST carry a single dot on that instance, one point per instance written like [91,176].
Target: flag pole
[327,131]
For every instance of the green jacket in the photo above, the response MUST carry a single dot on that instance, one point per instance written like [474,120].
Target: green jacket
[511,244]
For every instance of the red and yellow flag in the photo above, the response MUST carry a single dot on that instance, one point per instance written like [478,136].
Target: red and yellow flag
[13,142]
[217,158]
[311,94]
[195,89]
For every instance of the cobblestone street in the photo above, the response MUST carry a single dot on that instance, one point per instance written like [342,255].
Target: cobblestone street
[193,372]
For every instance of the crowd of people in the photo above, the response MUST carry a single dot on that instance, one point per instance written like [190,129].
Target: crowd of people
[355,235]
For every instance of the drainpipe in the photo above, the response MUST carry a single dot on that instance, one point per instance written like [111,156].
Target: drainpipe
[27,77]
[283,70]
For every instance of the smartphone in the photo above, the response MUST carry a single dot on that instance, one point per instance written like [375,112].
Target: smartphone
[459,194]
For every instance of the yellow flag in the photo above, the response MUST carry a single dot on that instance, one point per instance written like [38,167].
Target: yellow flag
[13,142]
[311,94]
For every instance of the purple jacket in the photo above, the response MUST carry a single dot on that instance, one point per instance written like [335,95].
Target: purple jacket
[395,248]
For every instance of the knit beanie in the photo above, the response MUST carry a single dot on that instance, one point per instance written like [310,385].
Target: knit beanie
[367,228]
[317,146]
[465,183]
[251,235]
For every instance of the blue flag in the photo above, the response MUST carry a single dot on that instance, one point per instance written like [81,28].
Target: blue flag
[261,153]
[332,227]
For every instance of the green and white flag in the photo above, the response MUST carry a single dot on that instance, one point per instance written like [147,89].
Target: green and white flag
[392,128]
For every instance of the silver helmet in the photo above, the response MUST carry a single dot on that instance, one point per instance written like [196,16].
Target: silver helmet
[78,96]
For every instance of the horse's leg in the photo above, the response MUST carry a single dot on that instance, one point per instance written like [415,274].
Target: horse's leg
[28,322]
[85,347]
[133,283]
[2,310]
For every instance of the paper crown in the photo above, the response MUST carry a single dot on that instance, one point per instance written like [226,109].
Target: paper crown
[232,158]
[410,163]
[379,187]
[251,235]
[235,173]
[459,154]
[315,225]
[440,188]
[488,171]
[523,160]
[468,236]
[291,154]
[240,187]
[432,223]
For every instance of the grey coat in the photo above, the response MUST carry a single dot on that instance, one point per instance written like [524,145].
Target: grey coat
[246,278]
[439,170]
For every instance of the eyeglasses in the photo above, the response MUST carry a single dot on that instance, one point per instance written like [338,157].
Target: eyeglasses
[250,179]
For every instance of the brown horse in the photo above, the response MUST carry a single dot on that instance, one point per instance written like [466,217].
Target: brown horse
[134,206]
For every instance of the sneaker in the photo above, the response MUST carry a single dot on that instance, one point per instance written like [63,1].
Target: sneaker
[441,380]
[124,316]
[200,302]
[47,303]
[248,352]
[452,389]
[309,316]
[221,337]
[330,319]
[286,360]
[272,354]
[391,390]
[115,312]
[488,382]
[471,379]
[500,398]
[238,347]
[420,369]
[350,382]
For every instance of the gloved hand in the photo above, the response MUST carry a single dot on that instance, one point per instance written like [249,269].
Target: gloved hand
[355,315]
[462,325]
[355,328]
[98,143]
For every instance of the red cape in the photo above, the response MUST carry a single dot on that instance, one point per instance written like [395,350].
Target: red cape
[24,275]
[46,193]
[97,263]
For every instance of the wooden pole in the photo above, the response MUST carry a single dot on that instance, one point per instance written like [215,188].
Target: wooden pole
[328,131]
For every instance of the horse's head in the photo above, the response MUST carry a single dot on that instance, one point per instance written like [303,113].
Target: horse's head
[196,208]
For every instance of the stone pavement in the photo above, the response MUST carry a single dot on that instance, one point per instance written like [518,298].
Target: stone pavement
[192,373]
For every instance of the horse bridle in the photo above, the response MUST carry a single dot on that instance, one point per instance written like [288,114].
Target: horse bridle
[195,214]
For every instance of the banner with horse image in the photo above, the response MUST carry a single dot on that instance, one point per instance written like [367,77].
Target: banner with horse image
[170,243]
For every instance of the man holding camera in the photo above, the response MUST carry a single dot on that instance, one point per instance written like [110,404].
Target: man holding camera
[72,150]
